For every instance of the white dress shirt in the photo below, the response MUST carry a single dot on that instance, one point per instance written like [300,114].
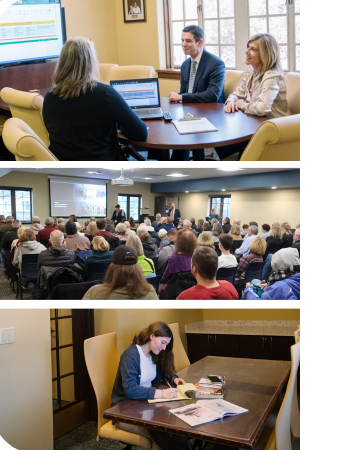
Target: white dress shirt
[136,10]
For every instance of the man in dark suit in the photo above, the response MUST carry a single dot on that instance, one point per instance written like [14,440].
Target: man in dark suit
[118,215]
[174,213]
[202,78]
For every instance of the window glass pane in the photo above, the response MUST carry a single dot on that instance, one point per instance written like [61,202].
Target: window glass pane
[177,11]
[226,208]
[66,360]
[257,7]
[297,6]
[211,31]
[277,7]
[215,203]
[134,207]
[228,55]
[227,31]
[122,201]
[191,22]
[178,55]
[258,25]
[22,205]
[297,57]
[177,32]
[284,57]
[65,331]
[67,390]
[297,29]
[214,49]
[210,9]
[278,28]
[226,8]
[5,202]
[190,8]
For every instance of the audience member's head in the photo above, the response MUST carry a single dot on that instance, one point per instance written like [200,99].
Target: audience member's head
[187,225]
[236,230]
[147,222]
[141,228]
[193,222]
[172,234]
[35,219]
[253,223]
[296,235]
[120,228]
[276,224]
[132,223]
[185,242]
[285,258]
[16,224]
[298,225]
[71,228]
[213,222]
[93,219]
[217,229]
[21,230]
[200,223]
[276,230]
[2,218]
[61,219]
[100,244]
[86,223]
[204,263]
[62,227]
[9,219]
[286,228]
[169,220]
[144,236]
[266,228]
[158,216]
[25,235]
[258,246]
[206,226]
[91,229]
[77,224]
[225,242]
[56,238]
[49,222]
[73,218]
[245,227]
[101,224]
[237,222]
[205,239]
[127,224]
[135,242]
[253,230]
[227,220]
[162,234]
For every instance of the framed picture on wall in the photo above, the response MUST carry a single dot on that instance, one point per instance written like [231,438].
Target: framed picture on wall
[134,11]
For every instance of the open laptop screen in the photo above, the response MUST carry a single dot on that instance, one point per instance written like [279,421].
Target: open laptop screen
[142,93]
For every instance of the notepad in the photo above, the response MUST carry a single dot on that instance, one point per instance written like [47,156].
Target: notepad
[194,126]
[182,388]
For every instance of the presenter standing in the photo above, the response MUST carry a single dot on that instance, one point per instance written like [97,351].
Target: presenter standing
[174,213]
[118,215]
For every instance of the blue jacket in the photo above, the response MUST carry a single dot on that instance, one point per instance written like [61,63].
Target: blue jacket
[208,85]
[166,227]
[287,289]
[127,381]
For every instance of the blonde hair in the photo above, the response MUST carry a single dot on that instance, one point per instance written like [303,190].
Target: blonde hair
[200,223]
[91,228]
[120,228]
[76,71]
[205,239]
[269,52]
[26,235]
[258,246]
[100,243]
[276,231]
[236,229]
[286,228]
[135,242]
[21,230]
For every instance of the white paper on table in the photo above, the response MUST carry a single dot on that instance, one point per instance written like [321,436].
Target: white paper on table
[194,126]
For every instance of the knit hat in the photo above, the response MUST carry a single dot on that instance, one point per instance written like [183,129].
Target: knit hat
[162,232]
[285,258]
[71,228]
[124,256]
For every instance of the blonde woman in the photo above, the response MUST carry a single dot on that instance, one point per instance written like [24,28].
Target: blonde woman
[262,91]
[257,250]
[236,232]
[100,254]
[91,229]
[200,224]
[205,240]
[81,114]
[146,264]
[276,235]
[19,234]
[26,245]
[287,235]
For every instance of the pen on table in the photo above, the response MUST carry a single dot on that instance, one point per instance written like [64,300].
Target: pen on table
[167,382]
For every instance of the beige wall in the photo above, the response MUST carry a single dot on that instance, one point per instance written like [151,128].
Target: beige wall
[251,314]
[262,206]
[26,387]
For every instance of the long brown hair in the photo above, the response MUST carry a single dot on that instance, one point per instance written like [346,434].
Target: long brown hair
[185,242]
[27,235]
[165,357]
[129,277]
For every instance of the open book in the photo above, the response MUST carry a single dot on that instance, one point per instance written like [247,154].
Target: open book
[181,389]
[205,411]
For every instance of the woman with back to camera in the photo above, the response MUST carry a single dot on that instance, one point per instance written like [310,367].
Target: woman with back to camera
[81,114]
[262,91]
[147,361]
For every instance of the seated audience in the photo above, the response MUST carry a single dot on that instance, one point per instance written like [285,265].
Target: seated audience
[47,230]
[296,243]
[74,241]
[19,234]
[101,227]
[163,236]
[2,220]
[245,228]
[146,264]
[86,224]
[156,222]
[26,245]
[213,222]
[204,266]
[283,283]
[266,231]
[257,250]
[193,223]
[167,249]
[250,224]
[148,225]
[236,232]
[200,224]
[206,226]
[62,227]
[205,240]
[149,248]
[76,91]
[120,231]
[181,221]
[7,226]
[180,260]
[226,228]
[238,222]
[8,237]
[58,255]
[110,225]
[100,254]
[225,244]
[128,229]
[79,232]
[73,218]
[36,225]
[124,279]
[217,230]
[276,235]
[186,225]
[132,224]
[244,248]
[165,223]
[287,235]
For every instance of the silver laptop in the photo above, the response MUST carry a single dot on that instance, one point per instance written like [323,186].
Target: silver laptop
[141,95]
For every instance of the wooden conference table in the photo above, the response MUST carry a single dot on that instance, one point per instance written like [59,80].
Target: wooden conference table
[250,383]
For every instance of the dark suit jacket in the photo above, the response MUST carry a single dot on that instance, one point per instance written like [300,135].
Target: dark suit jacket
[120,217]
[177,214]
[208,85]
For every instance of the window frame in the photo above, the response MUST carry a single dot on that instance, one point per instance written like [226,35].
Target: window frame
[211,197]
[13,200]
[127,212]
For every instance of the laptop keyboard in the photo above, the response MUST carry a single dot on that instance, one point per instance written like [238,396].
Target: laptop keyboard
[148,112]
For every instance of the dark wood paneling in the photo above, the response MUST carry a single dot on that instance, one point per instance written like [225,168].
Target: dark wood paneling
[226,345]
[70,418]
[198,346]
[280,347]
[255,347]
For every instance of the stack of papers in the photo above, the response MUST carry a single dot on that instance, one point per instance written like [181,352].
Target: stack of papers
[206,383]
[194,126]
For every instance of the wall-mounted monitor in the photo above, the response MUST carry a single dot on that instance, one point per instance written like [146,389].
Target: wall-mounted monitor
[31,30]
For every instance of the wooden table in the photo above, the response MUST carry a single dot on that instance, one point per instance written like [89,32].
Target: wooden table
[251,384]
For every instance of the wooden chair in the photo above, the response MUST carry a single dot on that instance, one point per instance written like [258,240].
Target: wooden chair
[180,356]
[102,359]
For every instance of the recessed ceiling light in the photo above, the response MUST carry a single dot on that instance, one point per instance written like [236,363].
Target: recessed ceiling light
[177,175]
[147,178]
[226,169]
[273,187]
[186,192]
[223,190]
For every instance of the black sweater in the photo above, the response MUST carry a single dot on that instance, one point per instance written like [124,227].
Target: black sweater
[85,128]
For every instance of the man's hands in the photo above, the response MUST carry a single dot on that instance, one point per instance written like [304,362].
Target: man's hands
[174,97]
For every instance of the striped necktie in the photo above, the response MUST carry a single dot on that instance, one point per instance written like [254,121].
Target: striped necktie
[192,76]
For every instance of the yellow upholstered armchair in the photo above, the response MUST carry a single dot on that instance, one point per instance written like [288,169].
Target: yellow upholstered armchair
[232,79]
[105,70]
[132,72]
[279,139]
[27,106]
[22,142]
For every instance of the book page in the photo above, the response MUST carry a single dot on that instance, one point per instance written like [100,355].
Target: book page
[182,388]
[222,407]
[195,414]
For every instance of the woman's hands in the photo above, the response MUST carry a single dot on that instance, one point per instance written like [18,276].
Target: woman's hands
[168,393]
[231,107]
[178,381]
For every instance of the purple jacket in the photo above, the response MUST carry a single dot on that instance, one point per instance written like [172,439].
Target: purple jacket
[176,263]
